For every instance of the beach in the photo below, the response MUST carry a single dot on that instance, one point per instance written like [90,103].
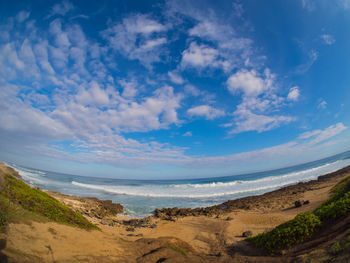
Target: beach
[211,234]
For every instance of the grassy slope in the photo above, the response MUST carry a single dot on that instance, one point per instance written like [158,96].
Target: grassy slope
[304,225]
[17,196]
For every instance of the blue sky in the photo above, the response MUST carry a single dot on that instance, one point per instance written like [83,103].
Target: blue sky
[173,89]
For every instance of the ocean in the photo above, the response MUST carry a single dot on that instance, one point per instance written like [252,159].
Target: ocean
[141,197]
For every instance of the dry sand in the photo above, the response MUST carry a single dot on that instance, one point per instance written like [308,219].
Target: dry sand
[204,238]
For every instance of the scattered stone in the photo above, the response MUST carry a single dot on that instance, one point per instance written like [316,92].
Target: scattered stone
[294,193]
[130,229]
[298,203]
[247,233]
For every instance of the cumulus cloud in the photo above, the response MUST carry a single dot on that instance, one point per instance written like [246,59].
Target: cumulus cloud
[200,56]
[293,94]
[258,101]
[248,82]
[206,111]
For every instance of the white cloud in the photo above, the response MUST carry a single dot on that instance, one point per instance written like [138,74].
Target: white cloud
[61,9]
[22,16]
[187,134]
[245,121]
[328,39]
[312,57]
[94,95]
[259,103]
[200,56]
[129,88]
[40,50]
[175,77]
[322,105]
[308,4]
[318,136]
[206,111]
[294,93]
[248,82]
[138,37]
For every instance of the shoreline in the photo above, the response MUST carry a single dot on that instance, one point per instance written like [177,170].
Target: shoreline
[281,198]
[209,234]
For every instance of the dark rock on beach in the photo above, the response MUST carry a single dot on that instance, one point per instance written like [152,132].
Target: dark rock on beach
[298,203]
[247,233]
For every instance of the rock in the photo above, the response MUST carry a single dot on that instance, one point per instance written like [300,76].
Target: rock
[298,203]
[107,222]
[247,233]
[130,229]
[229,218]
[306,202]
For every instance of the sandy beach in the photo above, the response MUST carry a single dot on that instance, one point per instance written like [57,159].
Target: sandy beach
[212,234]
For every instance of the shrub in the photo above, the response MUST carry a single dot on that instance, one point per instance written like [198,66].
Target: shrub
[287,234]
[335,209]
[39,202]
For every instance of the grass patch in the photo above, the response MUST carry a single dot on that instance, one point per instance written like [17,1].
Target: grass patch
[304,225]
[178,249]
[39,202]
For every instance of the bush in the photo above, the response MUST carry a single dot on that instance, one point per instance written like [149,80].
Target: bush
[335,209]
[39,202]
[288,234]
[303,225]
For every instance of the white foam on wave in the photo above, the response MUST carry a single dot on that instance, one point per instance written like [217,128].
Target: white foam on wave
[218,188]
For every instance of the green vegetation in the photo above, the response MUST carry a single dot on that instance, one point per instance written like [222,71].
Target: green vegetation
[304,225]
[335,209]
[178,249]
[4,214]
[16,192]
[288,234]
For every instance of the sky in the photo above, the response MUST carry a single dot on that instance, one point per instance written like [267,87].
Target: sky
[173,89]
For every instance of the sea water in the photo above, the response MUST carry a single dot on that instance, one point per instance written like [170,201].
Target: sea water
[141,197]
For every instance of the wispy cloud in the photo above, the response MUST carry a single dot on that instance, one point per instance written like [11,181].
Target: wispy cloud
[328,39]
[138,37]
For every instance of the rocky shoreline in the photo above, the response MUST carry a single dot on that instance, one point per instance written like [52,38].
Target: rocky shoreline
[105,212]
[283,198]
